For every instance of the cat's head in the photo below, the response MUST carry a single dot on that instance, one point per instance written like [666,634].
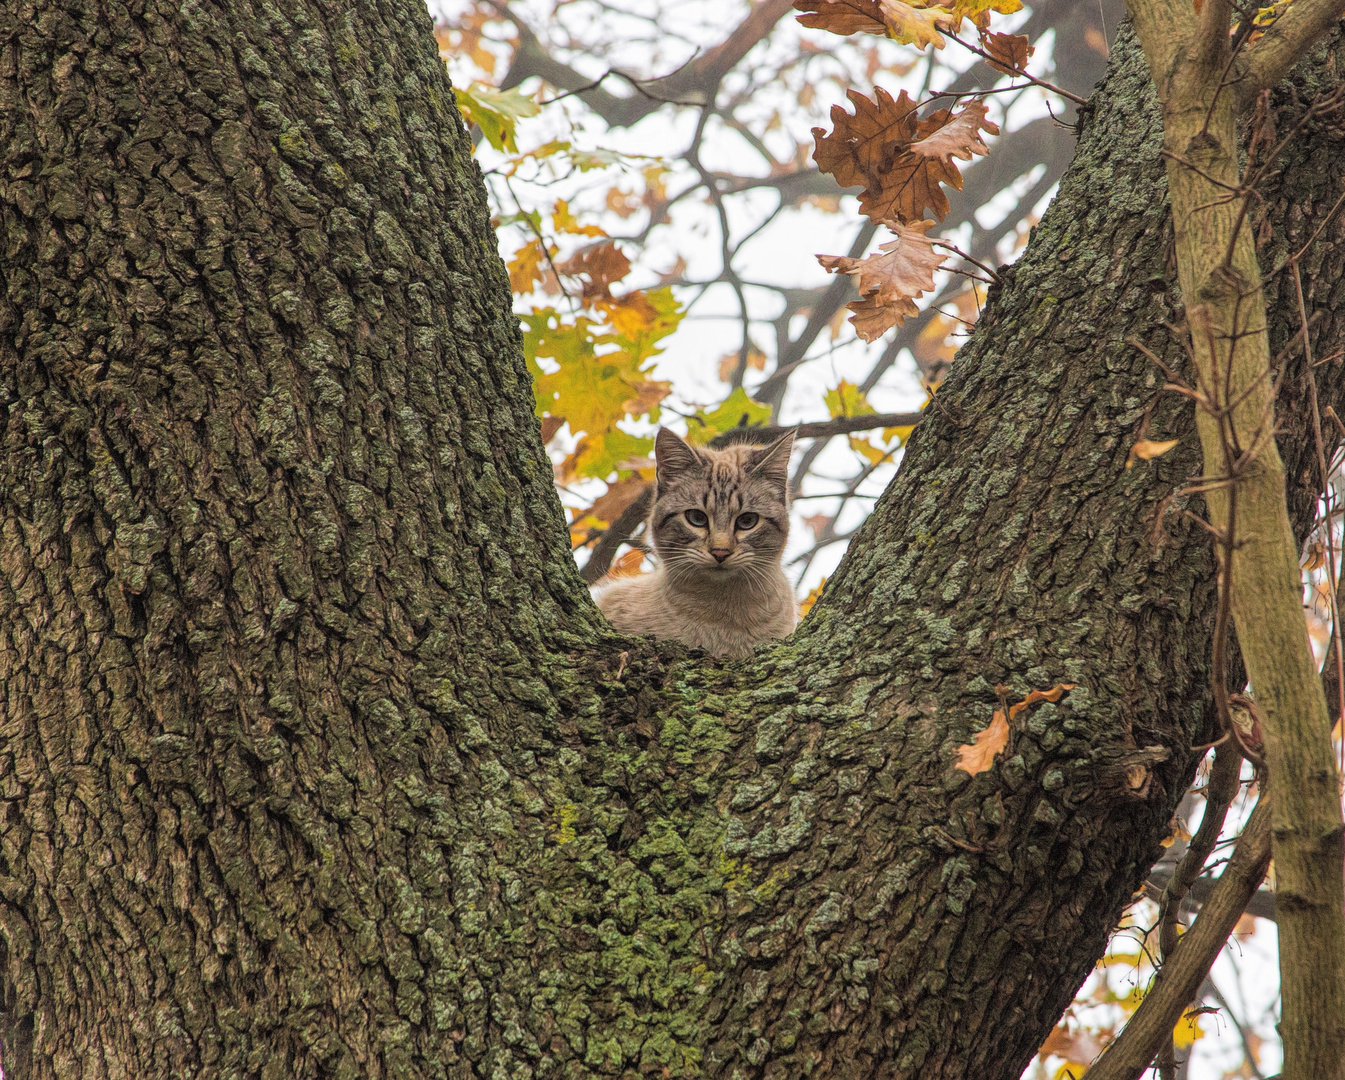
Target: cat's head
[719,514]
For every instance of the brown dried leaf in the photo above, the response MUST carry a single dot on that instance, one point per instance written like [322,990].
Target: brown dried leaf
[1011,52]
[911,182]
[600,266]
[888,283]
[610,506]
[842,16]
[862,147]
[551,425]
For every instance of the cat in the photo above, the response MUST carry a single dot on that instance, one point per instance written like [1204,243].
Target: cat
[718,524]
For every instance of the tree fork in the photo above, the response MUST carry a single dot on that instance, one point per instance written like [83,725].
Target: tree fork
[317,760]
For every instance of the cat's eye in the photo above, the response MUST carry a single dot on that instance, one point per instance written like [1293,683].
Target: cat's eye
[747,521]
[697,518]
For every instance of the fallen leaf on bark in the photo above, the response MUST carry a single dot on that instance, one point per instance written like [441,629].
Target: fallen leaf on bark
[1148,449]
[978,755]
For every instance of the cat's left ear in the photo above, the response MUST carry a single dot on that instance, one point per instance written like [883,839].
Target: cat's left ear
[773,462]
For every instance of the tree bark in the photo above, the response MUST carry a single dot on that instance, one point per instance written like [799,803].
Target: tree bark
[316,758]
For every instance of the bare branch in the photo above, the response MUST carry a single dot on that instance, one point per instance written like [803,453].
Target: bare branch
[1176,984]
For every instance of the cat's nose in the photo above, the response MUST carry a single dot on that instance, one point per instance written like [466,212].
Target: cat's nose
[720,553]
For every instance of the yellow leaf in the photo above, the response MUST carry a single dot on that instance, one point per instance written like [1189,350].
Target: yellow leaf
[811,598]
[902,434]
[525,268]
[565,222]
[1187,1031]
[872,454]
[495,112]
[847,400]
[1071,1070]
[978,11]
[916,26]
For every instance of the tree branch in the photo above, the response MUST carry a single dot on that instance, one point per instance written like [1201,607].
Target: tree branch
[1176,984]
[1292,34]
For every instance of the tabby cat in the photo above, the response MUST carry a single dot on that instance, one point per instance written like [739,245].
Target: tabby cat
[718,525]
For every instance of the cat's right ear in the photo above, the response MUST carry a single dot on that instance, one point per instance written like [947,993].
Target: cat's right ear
[672,455]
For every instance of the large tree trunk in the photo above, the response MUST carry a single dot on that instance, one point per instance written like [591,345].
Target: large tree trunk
[316,758]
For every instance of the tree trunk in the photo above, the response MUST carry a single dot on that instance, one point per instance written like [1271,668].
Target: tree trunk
[316,759]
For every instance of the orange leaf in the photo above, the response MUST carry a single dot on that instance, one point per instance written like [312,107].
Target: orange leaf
[842,16]
[628,565]
[728,363]
[888,283]
[525,268]
[1148,449]
[978,755]
[565,221]
[1010,51]
[600,265]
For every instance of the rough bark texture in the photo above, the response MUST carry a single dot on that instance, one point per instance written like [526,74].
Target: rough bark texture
[316,759]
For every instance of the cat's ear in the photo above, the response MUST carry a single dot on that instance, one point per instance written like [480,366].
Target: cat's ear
[773,462]
[672,455]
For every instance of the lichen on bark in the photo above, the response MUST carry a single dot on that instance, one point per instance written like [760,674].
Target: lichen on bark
[316,758]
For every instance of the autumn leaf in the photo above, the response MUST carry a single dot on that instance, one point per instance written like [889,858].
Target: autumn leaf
[847,399]
[565,222]
[1072,1044]
[599,456]
[889,282]
[1147,449]
[945,135]
[628,565]
[842,16]
[619,495]
[874,455]
[811,598]
[642,319]
[495,112]
[818,524]
[551,425]
[1187,1031]
[1010,52]
[978,11]
[912,183]
[862,147]
[599,267]
[735,410]
[978,755]
[525,268]
[728,363]
[910,25]
[582,531]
